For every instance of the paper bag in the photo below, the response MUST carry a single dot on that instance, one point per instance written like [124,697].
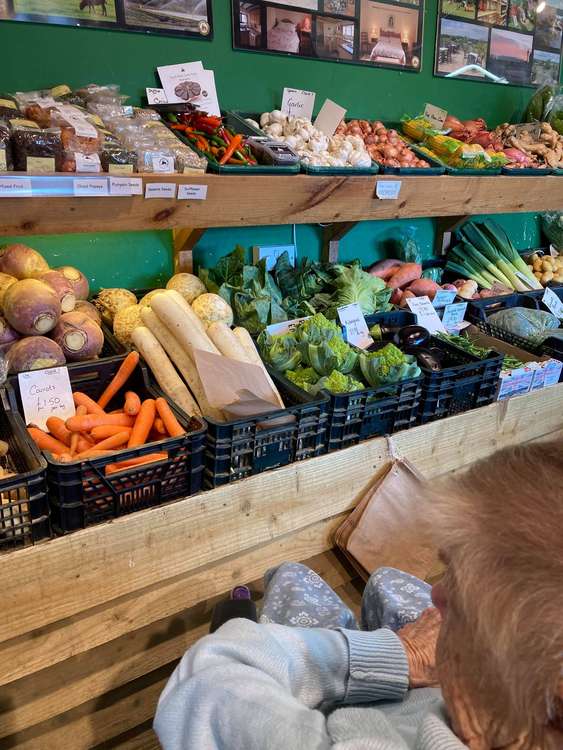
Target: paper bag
[385,530]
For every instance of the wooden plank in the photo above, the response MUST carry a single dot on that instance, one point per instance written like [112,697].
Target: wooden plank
[45,647]
[239,200]
[143,740]
[160,543]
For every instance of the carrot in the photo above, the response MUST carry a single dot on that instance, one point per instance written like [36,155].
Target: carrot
[89,421]
[93,453]
[111,443]
[132,404]
[116,411]
[120,378]
[107,430]
[159,426]
[56,427]
[132,462]
[46,442]
[80,412]
[173,427]
[91,406]
[143,423]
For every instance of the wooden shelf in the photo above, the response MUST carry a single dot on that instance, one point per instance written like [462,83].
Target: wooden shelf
[94,622]
[241,200]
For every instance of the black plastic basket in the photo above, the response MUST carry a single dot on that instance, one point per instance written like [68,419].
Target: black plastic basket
[24,508]
[244,447]
[466,382]
[478,312]
[80,494]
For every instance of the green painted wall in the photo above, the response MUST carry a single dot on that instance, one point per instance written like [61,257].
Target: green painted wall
[247,81]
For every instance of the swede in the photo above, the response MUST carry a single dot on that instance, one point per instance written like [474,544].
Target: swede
[188,285]
[109,301]
[6,282]
[8,335]
[22,261]
[77,280]
[88,309]
[31,307]
[34,353]
[78,336]
[62,286]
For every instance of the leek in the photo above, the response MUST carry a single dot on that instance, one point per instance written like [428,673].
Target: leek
[464,271]
[502,241]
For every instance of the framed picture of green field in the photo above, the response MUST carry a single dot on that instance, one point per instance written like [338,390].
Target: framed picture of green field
[382,33]
[515,42]
[172,17]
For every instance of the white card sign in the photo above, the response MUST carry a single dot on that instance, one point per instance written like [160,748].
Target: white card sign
[330,117]
[160,190]
[552,302]
[91,187]
[275,329]
[189,82]
[87,162]
[443,297]
[388,189]
[453,316]
[125,186]
[15,187]
[355,326]
[156,96]
[192,192]
[426,315]
[163,164]
[298,103]
[46,393]
[436,115]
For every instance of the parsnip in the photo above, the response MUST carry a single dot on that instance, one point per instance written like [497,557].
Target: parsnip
[174,316]
[163,370]
[187,308]
[254,358]
[183,362]
[226,341]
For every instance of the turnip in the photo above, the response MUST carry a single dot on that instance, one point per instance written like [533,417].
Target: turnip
[31,307]
[7,335]
[62,287]
[22,261]
[77,280]
[88,309]
[5,281]
[78,336]
[34,353]
[109,301]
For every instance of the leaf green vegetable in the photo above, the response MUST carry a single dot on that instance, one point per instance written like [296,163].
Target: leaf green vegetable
[279,351]
[354,285]
[334,354]
[462,342]
[317,329]
[302,377]
[337,382]
[388,365]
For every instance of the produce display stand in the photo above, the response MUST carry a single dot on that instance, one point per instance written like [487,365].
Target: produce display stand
[94,622]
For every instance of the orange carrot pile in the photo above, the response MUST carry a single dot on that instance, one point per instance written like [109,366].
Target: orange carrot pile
[94,433]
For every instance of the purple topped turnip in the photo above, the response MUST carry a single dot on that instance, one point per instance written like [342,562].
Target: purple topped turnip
[34,353]
[77,280]
[32,307]
[88,309]
[62,287]
[6,281]
[22,261]
[7,335]
[78,336]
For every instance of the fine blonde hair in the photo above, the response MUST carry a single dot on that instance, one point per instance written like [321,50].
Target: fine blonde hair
[499,525]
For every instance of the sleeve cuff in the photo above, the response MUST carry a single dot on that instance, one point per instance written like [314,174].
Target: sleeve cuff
[379,670]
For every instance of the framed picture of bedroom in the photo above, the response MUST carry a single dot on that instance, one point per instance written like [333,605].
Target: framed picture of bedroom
[382,33]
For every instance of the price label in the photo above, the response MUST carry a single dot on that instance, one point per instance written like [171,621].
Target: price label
[388,189]
[156,96]
[426,315]
[192,192]
[14,187]
[298,103]
[436,115]
[285,326]
[163,164]
[90,187]
[453,316]
[87,163]
[46,393]
[330,117]
[552,302]
[125,186]
[443,297]
[160,190]
[355,326]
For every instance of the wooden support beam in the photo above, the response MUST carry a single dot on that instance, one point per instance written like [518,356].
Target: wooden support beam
[332,234]
[445,226]
[184,242]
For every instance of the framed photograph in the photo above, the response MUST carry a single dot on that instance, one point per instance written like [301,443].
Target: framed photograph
[366,32]
[174,17]
[492,12]
[461,45]
[545,68]
[459,8]
[522,14]
[510,56]
[549,24]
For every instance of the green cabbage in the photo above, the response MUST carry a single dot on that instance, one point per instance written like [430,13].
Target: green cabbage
[334,354]
[336,382]
[317,329]
[388,365]
[280,351]
[354,285]
[302,377]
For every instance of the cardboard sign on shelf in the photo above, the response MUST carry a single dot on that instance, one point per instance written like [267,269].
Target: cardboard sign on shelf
[330,117]
[298,102]
[46,393]
[20,187]
[189,82]
[192,192]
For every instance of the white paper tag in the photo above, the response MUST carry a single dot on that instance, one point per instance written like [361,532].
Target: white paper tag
[160,190]
[553,251]
[285,326]
[87,162]
[156,96]
[192,192]
[515,382]
[75,118]
[436,115]
[552,302]
[163,164]
[15,187]
[443,297]
[330,117]
[356,329]
[46,393]
[524,279]
[298,103]
[552,374]
[388,189]
[125,186]
[89,187]
[426,315]
[453,316]
[189,82]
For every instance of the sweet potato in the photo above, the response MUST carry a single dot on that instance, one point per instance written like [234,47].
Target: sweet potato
[424,288]
[405,275]
[384,269]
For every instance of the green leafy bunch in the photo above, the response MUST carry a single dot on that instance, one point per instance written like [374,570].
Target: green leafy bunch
[387,365]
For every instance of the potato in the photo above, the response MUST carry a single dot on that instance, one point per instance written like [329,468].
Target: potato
[537,264]
[546,276]
[537,274]
[546,264]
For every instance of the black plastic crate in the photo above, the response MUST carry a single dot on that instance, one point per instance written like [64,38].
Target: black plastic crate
[465,382]
[478,312]
[24,508]
[244,447]
[79,492]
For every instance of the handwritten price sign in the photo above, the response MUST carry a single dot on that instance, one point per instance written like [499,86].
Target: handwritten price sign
[46,393]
